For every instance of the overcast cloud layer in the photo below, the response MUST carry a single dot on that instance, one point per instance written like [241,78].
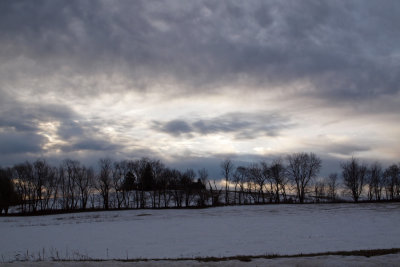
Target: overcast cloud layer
[192,82]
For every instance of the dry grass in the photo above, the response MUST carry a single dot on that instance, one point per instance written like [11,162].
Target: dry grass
[249,258]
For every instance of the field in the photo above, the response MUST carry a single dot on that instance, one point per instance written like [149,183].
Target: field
[192,233]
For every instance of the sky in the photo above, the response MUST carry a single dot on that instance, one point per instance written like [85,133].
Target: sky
[194,82]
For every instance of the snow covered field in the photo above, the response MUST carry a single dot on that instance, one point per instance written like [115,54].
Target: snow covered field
[223,231]
[325,261]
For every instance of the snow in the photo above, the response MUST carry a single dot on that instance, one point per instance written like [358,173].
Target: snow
[326,261]
[223,231]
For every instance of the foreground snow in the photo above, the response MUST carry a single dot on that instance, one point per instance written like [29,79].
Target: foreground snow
[326,261]
[224,231]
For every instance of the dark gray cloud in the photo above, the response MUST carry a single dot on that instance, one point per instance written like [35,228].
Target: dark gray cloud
[85,137]
[25,117]
[347,50]
[174,127]
[70,129]
[346,149]
[84,143]
[242,125]
[21,143]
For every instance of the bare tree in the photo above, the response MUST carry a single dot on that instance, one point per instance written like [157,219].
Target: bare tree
[40,175]
[69,172]
[203,194]
[35,184]
[139,167]
[117,183]
[226,170]
[187,180]
[50,187]
[354,175]
[164,183]
[319,189]
[203,175]
[375,181]
[24,180]
[251,187]
[105,180]
[176,187]
[236,181]
[332,186]
[266,173]
[84,183]
[258,177]
[301,169]
[215,193]
[240,177]
[391,181]
[157,168]
[75,182]
[278,179]
[53,186]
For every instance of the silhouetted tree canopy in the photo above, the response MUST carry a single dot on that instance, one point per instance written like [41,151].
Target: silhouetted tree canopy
[143,183]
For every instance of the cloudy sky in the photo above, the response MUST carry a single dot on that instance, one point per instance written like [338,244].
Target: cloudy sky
[193,82]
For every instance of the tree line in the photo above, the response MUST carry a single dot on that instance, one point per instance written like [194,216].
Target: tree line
[147,183]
